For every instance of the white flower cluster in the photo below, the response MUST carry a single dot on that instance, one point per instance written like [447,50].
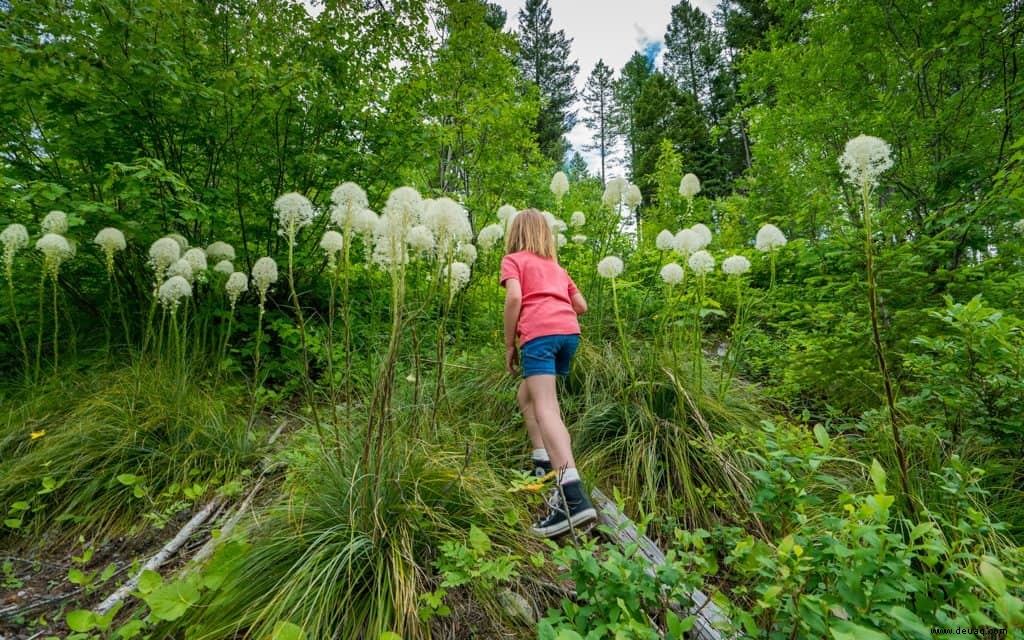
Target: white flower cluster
[489,236]
[196,258]
[173,291]
[689,241]
[55,222]
[559,185]
[224,267]
[332,243]
[672,274]
[449,221]
[633,197]
[236,285]
[665,240]
[181,269]
[701,263]
[218,251]
[349,199]
[735,266]
[264,274]
[14,238]
[466,253]
[56,250]
[1017,226]
[610,267]
[689,186]
[294,211]
[162,254]
[181,241]
[865,159]
[561,240]
[110,240]
[577,219]
[579,238]
[506,213]
[613,192]
[769,238]
[421,239]
[457,274]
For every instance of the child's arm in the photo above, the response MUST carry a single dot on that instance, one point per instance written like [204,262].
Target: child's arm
[579,303]
[513,305]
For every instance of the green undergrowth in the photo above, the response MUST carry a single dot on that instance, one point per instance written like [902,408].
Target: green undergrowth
[103,453]
[348,548]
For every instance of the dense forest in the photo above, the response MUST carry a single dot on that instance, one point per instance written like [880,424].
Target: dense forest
[251,320]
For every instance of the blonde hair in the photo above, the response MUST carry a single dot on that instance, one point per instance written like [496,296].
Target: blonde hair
[530,232]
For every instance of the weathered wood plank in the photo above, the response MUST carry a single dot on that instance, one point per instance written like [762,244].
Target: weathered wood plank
[709,616]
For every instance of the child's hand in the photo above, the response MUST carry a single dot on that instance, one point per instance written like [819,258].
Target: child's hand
[512,360]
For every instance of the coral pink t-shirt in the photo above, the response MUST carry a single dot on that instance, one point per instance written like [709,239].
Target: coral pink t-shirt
[547,296]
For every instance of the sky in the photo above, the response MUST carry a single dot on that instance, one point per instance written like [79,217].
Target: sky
[609,30]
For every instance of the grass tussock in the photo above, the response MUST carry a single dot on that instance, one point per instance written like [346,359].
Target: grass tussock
[99,454]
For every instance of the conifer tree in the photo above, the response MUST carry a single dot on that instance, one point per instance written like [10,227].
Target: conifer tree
[598,101]
[544,60]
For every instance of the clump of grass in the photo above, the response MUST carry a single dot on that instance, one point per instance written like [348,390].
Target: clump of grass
[347,552]
[95,454]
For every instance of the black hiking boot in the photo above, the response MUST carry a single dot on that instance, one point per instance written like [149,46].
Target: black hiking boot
[541,468]
[573,512]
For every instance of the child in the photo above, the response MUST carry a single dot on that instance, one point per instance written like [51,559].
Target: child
[541,305]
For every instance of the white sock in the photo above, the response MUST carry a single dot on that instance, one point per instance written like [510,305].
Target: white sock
[541,455]
[570,475]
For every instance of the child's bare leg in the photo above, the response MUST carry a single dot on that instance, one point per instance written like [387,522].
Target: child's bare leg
[543,398]
[529,416]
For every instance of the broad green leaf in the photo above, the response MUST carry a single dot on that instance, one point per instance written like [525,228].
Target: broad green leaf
[479,540]
[846,630]
[81,620]
[149,581]
[993,577]
[821,435]
[878,476]
[287,631]
[910,622]
[171,601]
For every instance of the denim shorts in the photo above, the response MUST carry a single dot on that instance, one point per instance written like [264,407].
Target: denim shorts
[548,355]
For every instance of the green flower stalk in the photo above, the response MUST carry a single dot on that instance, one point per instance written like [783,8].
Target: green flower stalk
[769,240]
[734,268]
[56,250]
[111,241]
[264,274]
[611,268]
[14,238]
[863,162]
[701,263]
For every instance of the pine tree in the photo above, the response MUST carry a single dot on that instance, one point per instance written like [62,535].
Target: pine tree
[544,60]
[626,90]
[577,168]
[598,102]
[693,51]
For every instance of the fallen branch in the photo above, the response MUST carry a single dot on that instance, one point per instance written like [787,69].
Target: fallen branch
[225,531]
[162,556]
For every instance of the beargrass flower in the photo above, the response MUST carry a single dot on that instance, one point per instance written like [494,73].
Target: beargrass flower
[332,243]
[489,236]
[559,185]
[735,265]
[865,159]
[769,238]
[55,222]
[577,219]
[237,284]
[14,238]
[55,249]
[560,240]
[172,292]
[579,238]
[181,268]
[365,222]
[349,199]
[403,208]
[224,267]
[701,263]
[421,239]
[162,254]
[466,253]
[665,241]
[180,240]
[448,220]
[610,267]
[458,274]
[613,191]
[389,244]
[550,219]
[633,197]
[506,212]
[689,186]
[110,240]
[687,242]
[197,258]
[1017,226]
[559,226]
[703,233]
[264,274]
[293,211]
[672,274]
[218,251]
